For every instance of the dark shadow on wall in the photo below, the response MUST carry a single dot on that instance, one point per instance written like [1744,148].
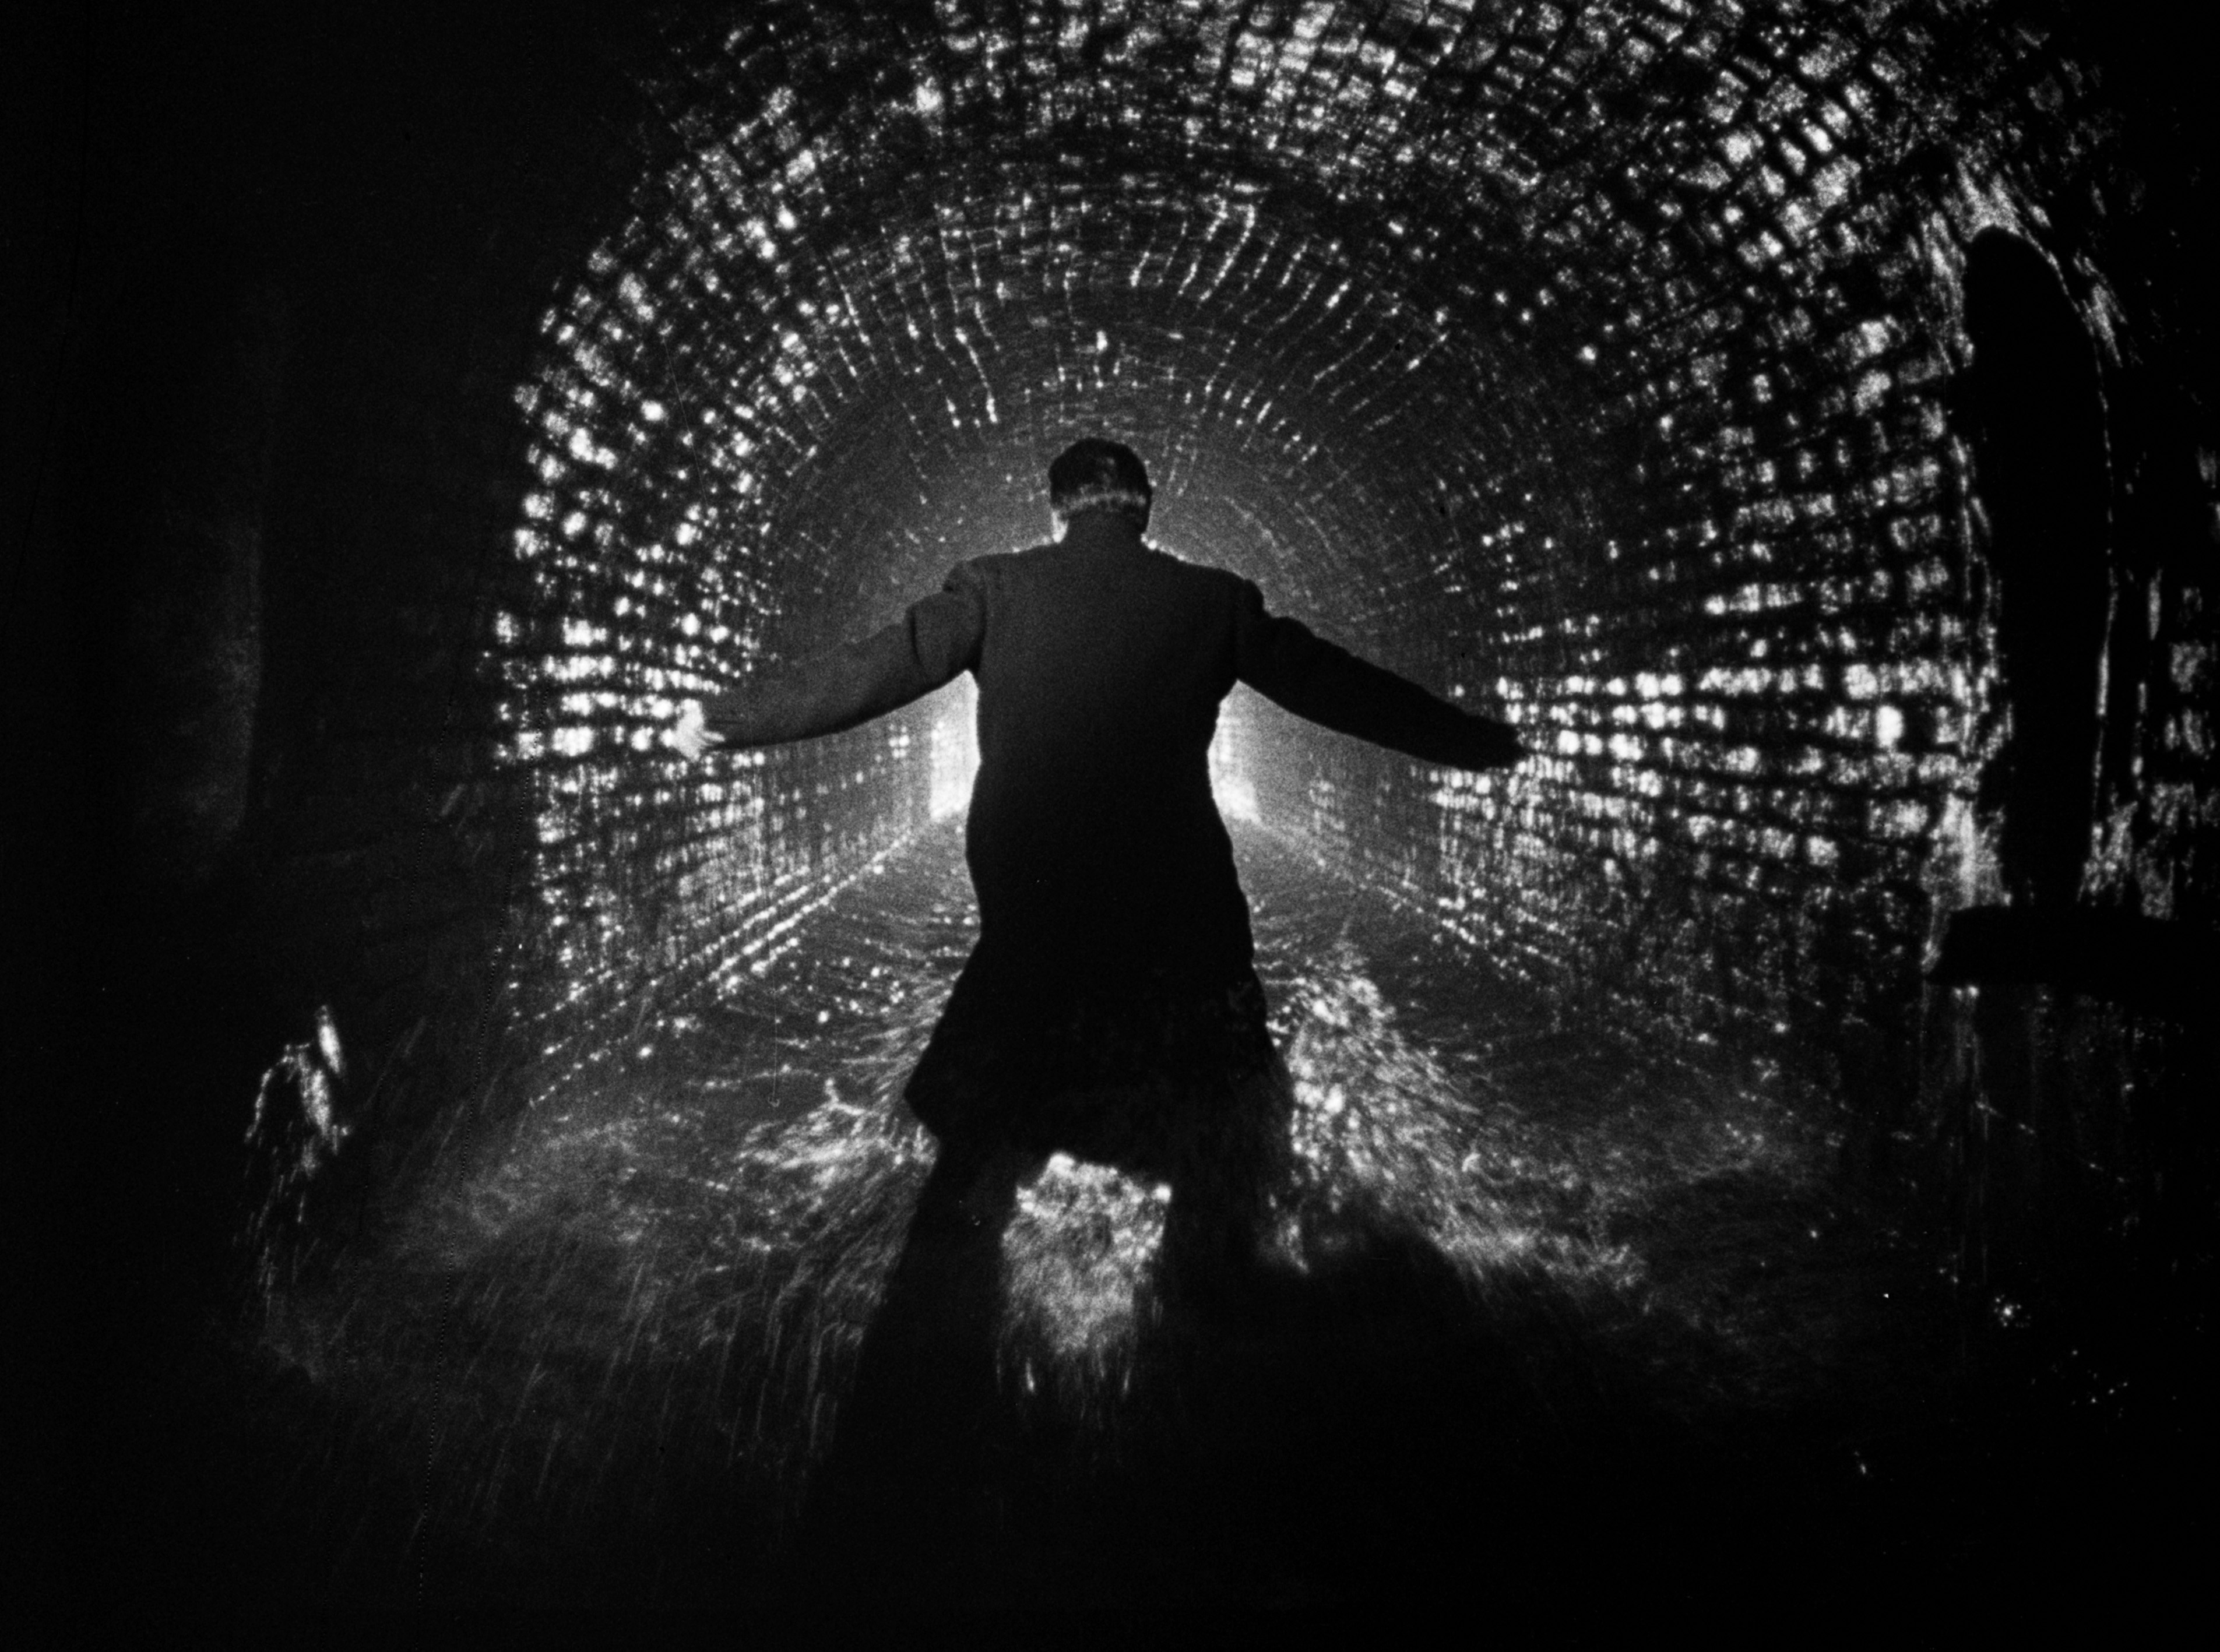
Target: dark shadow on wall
[2067,1038]
[2043,477]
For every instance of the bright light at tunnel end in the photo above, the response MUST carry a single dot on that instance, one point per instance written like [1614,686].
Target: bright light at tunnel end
[955,752]
[1237,798]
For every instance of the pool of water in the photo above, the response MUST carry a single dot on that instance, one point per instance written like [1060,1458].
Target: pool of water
[1514,1263]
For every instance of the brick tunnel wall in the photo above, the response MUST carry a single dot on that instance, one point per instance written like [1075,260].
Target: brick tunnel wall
[1594,362]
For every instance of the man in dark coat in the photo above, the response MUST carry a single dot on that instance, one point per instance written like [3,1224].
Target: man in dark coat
[1111,996]
[1110,1010]
[1113,971]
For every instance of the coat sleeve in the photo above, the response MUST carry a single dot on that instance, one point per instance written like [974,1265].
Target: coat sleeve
[1282,660]
[938,639]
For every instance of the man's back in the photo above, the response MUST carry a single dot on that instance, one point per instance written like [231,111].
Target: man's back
[1100,665]
[1093,836]
[1114,957]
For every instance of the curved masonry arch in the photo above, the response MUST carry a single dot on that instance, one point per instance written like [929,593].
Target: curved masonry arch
[1589,361]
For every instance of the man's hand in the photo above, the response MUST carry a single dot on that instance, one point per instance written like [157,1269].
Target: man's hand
[692,737]
[1505,748]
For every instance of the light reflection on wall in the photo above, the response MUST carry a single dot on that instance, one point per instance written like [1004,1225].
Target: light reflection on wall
[1648,446]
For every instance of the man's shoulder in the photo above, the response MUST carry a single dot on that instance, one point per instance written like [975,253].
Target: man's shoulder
[1202,582]
[981,569]
[992,563]
[1186,568]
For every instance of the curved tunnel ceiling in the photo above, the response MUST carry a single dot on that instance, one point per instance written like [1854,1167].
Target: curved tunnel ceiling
[1589,358]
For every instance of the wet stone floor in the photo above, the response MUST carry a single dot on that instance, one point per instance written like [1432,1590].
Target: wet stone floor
[1534,1312]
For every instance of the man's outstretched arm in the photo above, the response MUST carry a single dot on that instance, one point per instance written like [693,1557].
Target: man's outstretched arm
[1283,661]
[928,647]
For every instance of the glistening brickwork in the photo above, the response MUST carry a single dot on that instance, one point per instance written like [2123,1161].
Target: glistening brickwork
[1589,361]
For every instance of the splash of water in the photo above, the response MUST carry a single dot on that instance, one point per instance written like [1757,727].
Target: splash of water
[677,1258]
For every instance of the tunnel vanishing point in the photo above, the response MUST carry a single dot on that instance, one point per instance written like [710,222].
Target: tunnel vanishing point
[1798,418]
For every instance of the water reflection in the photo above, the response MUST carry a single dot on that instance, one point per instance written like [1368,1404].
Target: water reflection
[677,1259]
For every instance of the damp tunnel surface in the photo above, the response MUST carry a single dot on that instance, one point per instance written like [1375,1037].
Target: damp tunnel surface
[1778,1094]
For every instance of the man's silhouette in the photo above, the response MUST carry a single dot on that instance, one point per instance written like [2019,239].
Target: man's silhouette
[1114,966]
[1110,1009]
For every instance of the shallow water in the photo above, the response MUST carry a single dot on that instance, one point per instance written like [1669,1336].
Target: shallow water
[606,1358]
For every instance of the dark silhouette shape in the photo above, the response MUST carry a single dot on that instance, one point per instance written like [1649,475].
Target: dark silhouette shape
[1110,1009]
[1113,927]
[2037,421]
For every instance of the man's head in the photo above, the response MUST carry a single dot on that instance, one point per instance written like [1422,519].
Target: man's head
[1097,475]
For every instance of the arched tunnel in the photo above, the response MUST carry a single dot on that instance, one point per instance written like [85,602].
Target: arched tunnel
[1760,1145]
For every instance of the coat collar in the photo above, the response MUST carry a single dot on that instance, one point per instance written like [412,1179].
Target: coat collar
[1102,530]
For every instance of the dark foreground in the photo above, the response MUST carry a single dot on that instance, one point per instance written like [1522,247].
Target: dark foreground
[1549,1331]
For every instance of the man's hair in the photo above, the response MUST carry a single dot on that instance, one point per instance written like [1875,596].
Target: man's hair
[1098,475]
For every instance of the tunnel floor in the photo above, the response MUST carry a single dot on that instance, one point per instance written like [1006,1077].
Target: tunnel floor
[1543,1311]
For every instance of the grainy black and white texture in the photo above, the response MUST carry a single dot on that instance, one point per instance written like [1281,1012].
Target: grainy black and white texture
[1768,1133]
